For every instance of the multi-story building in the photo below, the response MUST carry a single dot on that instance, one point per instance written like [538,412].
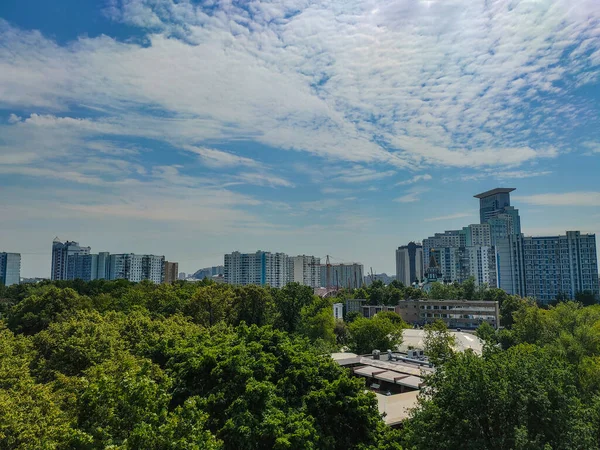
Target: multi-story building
[482,265]
[136,268]
[305,270]
[260,268]
[62,263]
[478,234]
[344,275]
[542,267]
[447,239]
[456,313]
[409,263]
[170,272]
[209,272]
[10,268]
[495,210]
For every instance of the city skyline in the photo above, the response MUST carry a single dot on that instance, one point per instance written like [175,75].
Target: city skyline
[341,128]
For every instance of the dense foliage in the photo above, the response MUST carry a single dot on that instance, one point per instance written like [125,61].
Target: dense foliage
[186,366]
[206,366]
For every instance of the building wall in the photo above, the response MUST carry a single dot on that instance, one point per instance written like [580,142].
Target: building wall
[560,265]
[409,263]
[455,313]
[10,268]
[338,311]
[349,276]
[305,270]
[260,268]
[482,265]
[61,252]
[170,272]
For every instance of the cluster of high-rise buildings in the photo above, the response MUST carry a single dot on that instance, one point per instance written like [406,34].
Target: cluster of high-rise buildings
[279,269]
[495,252]
[71,261]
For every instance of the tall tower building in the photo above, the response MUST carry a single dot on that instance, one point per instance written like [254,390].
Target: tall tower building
[10,268]
[63,265]
[495,210]
[409,263]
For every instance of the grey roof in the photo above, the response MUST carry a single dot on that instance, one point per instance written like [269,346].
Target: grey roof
[494,192]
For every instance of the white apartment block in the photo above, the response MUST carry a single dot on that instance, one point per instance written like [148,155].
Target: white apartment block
[305,270]
[136,268]
[482,265]
[260,268]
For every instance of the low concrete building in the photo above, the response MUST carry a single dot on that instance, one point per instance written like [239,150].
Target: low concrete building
[338,311]
[455,313]
[370,310]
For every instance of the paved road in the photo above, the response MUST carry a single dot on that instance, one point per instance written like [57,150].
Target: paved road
[464,340]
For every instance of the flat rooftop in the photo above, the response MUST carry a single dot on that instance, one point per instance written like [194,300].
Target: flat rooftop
[396,407]
[494,192]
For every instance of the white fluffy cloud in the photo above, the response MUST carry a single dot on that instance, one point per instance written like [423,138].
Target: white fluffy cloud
[400,83]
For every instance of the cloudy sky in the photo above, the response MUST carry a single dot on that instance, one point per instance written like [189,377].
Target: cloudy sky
[341,127]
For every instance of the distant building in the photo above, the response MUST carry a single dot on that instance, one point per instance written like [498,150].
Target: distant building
[338,311]
[170,271]
[409,263]
[63,266]
[209,272]
[495,210]
[542,267]
[455,313]
[383,277]
[10,268]
[369,311]
[354,305]
[181,275]
[433,274]
[344,275]
[135,268]
[305,270]
[260,268]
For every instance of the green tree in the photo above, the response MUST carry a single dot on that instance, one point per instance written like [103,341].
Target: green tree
[521,398]
[37,311]
[210,305]
[439,342]
[586,298]
[378,333]
[317,321]
[289,302]
[253,305]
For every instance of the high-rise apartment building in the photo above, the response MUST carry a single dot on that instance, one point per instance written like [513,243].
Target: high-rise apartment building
[542,267]
[70,261]
[10,268]
[482,264]
[62,263]
[305,270]
[260,268]
[343,275]
[136,268]
[409,263]
[447,239]
[170,272]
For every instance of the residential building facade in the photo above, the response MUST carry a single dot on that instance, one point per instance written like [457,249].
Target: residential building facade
[260,268]
[62,263]
[344,275]
[305,270]
[542,267]
[338,311]
[170,272]
[409,263]
[135,268]
[10,268]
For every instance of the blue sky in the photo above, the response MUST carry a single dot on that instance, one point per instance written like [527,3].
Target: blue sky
[194,128]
